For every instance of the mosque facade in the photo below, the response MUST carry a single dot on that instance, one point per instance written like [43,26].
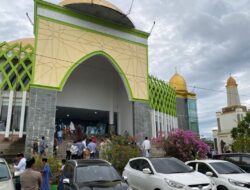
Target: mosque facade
[87,69]
[228,118]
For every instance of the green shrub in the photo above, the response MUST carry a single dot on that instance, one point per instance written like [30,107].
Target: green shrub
[119,150]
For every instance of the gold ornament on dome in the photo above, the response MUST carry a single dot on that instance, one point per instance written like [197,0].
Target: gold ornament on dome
[231,82]
[178,82]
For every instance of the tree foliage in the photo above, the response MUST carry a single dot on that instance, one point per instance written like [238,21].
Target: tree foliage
[185,145]
[241,135]
[119,150]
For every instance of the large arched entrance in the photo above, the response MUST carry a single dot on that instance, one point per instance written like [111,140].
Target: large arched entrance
[93,98]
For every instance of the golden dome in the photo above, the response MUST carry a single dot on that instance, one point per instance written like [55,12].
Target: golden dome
[231,82]
[178,82]
[24,41]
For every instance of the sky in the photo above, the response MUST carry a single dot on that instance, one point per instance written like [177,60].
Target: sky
[205,40]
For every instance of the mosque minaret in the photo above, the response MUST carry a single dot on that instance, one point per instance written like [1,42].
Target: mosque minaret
[228,118]
[233,98]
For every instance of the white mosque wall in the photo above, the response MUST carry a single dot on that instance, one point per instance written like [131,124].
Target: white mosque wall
[124,109]
[230,120]
[162,123]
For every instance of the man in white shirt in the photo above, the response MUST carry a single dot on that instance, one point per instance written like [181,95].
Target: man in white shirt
[146,146]
[20,167]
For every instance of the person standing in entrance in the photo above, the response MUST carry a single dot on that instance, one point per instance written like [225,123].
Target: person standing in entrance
[30,179]
[42,146]
[46,173]
[146,146]
[92,149]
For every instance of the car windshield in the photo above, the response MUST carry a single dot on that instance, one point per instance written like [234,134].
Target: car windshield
[96,173]
[169,166]
[226,168]
[4,172]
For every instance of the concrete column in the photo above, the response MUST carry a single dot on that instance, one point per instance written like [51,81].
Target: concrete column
[142,120]
[111,117]
[165,124]
[1,101]
[21,126]
[158,121]
[153,123]
[170,123]
[9,115]
[111,109]
[162,123]
[1,96]
[41,118]
[119,123]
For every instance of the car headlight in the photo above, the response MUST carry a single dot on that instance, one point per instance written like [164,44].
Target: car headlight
[237,183]
[174,184]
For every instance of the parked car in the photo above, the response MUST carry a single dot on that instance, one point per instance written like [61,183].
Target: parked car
[91,174]
[226,175]
[241,160]
[6,181]
[164,174]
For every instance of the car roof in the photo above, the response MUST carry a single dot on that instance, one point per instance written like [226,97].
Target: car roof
[233,154]
[149,158]
[208,161]
[89,162]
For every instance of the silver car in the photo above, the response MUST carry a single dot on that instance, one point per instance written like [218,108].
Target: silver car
[6,181]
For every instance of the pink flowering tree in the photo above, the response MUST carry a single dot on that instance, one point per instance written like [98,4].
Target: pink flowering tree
[185,145]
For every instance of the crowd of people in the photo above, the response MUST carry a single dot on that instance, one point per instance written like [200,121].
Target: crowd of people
[86,148]
[27,177]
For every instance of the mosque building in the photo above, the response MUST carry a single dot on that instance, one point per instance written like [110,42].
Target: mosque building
[228,118]
[86,69]
[185,104]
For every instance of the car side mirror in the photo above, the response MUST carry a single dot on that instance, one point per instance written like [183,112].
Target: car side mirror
[191,167]
[209,174]
[66,181]
[146,171]
[125,178]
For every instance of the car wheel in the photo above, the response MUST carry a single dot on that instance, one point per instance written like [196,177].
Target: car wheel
[222,188]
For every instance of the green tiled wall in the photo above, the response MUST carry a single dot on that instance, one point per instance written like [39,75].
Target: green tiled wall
[162,97]
[16,62]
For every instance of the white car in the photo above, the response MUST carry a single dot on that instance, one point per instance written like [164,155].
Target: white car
[164,174]
[226,175]
[6,181]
